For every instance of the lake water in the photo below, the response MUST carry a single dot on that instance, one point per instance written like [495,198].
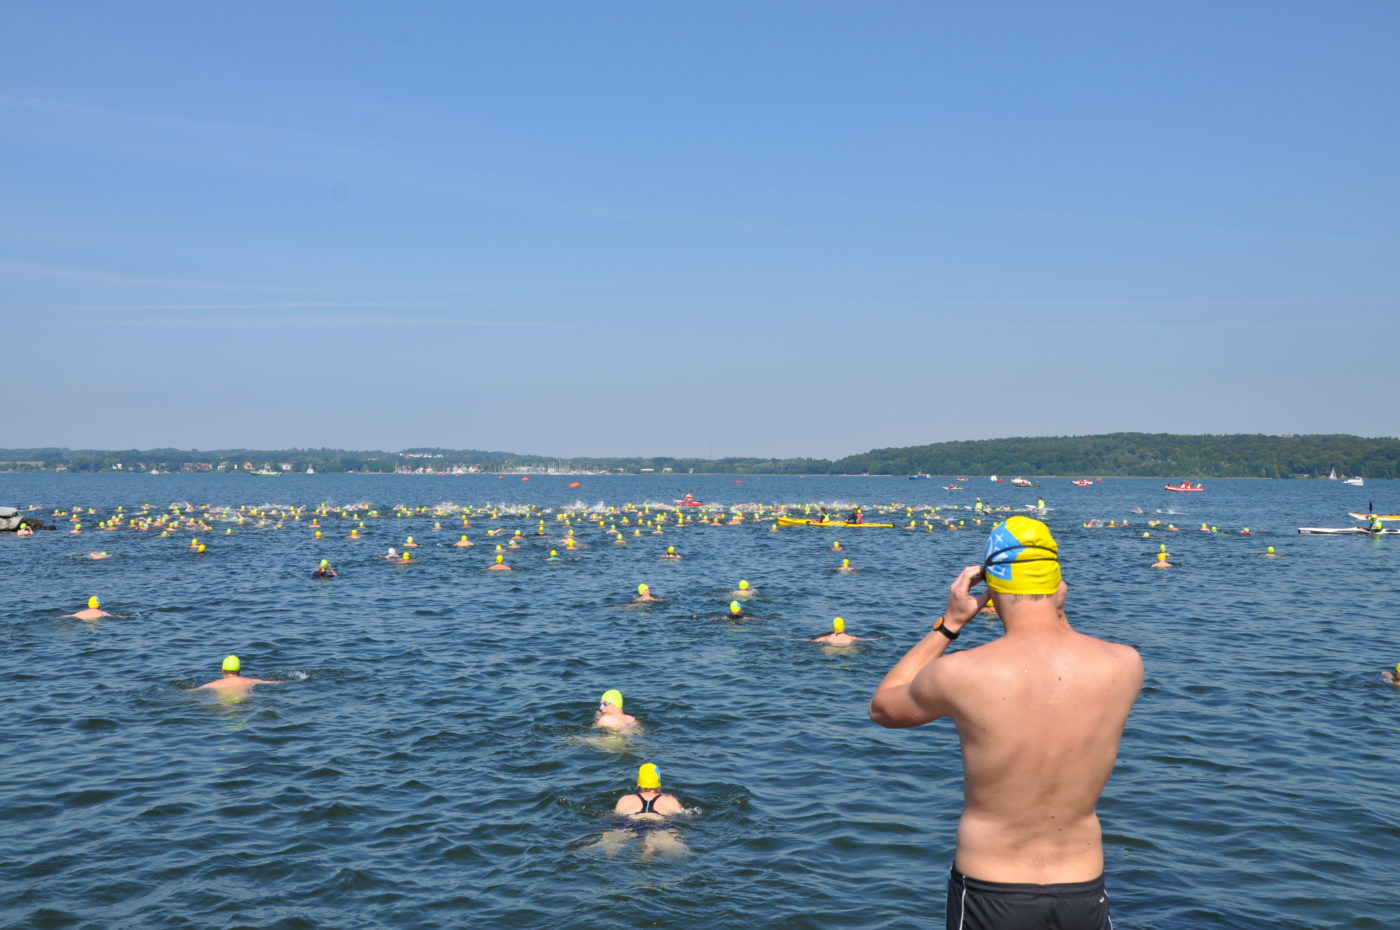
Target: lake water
[429,760]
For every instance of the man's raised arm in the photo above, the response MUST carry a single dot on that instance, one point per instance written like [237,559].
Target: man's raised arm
[910,693]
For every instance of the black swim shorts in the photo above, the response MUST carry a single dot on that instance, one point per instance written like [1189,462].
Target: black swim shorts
[977,905]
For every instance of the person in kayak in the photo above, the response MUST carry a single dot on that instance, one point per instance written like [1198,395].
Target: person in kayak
[1039,711]
[856,516]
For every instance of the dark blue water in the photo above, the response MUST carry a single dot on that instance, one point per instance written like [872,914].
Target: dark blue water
[429,760]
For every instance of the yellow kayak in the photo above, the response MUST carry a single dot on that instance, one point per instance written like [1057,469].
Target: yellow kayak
[793,521]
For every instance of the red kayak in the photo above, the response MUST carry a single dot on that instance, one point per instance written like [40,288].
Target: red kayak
[689,503]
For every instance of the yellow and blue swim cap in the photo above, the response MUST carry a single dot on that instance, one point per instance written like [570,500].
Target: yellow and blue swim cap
[734,607]
[231,664]
[648,777]
[1022,558]
[612,696]
[94,603]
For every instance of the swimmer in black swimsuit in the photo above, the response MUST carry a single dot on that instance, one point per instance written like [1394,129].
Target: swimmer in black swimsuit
[324,570]
[646,808]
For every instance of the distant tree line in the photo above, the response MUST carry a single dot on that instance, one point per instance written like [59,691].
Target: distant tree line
[1112,454]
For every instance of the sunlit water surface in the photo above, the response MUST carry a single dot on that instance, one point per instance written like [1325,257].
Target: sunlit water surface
[429,760]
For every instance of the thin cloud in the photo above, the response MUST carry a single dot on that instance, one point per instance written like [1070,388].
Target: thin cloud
[317,322]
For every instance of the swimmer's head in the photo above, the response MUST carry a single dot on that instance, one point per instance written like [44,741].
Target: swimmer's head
[93,603]
[612,696]
[648,777]
[670,550]
[231,664]
[500,559]
[743,585]
[325,563]
[405,556]
[1022,558]
[838,625]
[845,563]
[642,589]
[1271,550]
[734,608]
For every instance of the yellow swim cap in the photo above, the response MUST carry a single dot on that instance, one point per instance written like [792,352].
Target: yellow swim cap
[743,585]
[325,563]
[231,664]
[642,589]
[92,603]
[318,534]
[670,550]
[500,559]
[838,625]
[734,607]
[1022,558]
[845,563]
[612,696]
[553,553]
[648,777]
[464,537]
[1271,550]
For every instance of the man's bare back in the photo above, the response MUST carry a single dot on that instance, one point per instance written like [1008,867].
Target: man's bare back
[1039,713]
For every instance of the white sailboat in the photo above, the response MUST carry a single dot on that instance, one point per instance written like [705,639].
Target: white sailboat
[1333,476]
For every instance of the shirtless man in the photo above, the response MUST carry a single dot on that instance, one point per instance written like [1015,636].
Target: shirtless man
[500,565]
[610,715]
[644,594]
[1039,712]
[92,612]
[838,635]
[232,680]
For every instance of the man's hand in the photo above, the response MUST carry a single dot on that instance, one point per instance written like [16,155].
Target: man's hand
[962,605]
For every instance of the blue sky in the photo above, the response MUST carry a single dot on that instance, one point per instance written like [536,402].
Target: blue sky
[709,229]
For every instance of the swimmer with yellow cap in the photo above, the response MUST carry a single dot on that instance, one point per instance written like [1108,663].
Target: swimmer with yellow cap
[324,570]
[838,635]
[670,553]
[742,592]
[93,611]
[1022,558]
[846,566]
[648,802]
[644,594]
[500,565]
[610,715]
[232,679]
[463,542]
[1393,677]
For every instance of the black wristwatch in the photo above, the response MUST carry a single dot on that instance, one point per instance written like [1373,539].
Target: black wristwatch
[942,627]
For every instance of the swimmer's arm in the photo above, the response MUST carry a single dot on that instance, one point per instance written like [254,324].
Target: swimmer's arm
[911,693]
